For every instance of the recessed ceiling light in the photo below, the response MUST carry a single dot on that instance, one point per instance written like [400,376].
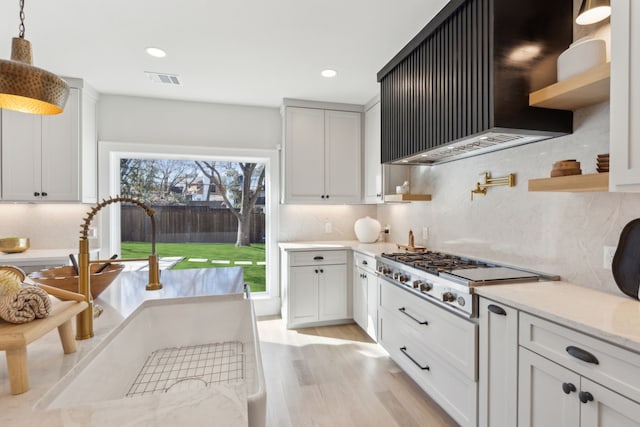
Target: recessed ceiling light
[156,52]
[328,73]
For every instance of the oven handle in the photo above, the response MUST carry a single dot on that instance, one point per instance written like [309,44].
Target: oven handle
[404,351]
[403,310]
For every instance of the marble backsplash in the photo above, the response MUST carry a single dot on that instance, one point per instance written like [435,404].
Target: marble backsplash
[48,226]
[560,233]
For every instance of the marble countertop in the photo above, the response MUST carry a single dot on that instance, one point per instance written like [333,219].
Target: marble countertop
[48,364]
[609,317]
[39,256]
[371,249]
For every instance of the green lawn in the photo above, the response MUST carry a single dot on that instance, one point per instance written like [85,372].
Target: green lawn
[254,274]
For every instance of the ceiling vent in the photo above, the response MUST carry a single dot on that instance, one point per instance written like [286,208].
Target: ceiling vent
[170,79]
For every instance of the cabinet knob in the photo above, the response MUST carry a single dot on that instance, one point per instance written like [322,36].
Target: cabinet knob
[327,196]
[322,197]
[36,194]
[568,388]
[316,270]
[321,271]
[585,396]
[44,194]
[365,262]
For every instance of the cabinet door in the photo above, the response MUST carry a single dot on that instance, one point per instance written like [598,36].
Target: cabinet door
[304,155]
[372,164]
[542,401]
[333,292]
[360,298]
[608,409]
[303,295]
[372,305]
[343,146]
[60,152]
[625,96]
[498,358]
[21,161]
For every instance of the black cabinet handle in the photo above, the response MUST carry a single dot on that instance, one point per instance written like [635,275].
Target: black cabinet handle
[568,388]
[322,197]
[365,263]
[496,310]
[316,270]
[44,194]
[583,355]
[321,271]
[318,258]
[36,194]
[327,196]
[404,351]
[585,396]
[403,310]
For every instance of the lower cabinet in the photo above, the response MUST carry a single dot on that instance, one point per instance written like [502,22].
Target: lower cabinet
[365,294]
[498,364]
[315,287]
[550,395]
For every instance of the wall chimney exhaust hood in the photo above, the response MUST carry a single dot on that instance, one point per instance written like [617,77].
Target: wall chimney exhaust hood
[461,87]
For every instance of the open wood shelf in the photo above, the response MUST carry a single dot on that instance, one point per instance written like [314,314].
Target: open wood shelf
[589,182]
[582,90]
[407,197]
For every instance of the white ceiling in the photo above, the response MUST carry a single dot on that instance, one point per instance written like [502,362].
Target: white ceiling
[252,52]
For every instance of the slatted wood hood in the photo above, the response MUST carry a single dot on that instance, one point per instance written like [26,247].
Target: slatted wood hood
[461,86]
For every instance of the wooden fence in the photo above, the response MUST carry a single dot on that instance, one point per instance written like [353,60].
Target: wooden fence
[193,224]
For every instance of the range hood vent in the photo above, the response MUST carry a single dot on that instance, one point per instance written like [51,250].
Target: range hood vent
[461,86]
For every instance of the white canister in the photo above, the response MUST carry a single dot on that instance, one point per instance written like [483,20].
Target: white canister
[367,229]
[582,55]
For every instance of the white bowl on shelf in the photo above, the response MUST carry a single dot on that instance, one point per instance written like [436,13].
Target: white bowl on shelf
[582,55]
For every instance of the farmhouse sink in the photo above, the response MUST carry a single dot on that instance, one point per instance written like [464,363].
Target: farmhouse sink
[171,353]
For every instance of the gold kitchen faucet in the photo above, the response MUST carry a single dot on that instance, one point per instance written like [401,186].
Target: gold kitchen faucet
[84,320]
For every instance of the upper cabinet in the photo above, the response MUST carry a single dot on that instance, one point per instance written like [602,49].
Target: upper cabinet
[322,152]
[51,158]
[624,159]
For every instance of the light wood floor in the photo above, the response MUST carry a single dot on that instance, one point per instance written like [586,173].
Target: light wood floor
[336,376]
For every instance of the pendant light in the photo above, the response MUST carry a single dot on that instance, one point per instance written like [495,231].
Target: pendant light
[592,11]
[26,88]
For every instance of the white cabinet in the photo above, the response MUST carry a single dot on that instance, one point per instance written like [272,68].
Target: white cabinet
[624,172]
[551,394]
[322,150]
[365,294]
[498,364]
[315,287]
[51,158]
[570,379]
[372,165]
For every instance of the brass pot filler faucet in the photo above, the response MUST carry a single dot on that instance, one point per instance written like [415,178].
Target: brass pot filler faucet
[84,320]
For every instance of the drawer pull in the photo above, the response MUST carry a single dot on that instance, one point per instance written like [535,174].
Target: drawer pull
[365,263]
[318,258]
[403,310]
[404,351]
[583,355]
[568,388]
[496,310]
[585,396]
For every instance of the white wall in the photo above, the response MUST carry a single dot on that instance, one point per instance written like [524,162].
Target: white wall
[158,121]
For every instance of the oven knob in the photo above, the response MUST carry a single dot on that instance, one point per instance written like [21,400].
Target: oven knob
[426,287]
[461,301]
[396,276]
[448,297]
[417,284]
[402,278]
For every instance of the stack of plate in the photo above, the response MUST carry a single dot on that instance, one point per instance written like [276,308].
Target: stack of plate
[566,167]
[602,164]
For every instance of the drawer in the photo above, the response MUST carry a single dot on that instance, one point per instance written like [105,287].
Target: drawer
[317,257]
[452,338]
[455,393]
[365,262]
[613,367]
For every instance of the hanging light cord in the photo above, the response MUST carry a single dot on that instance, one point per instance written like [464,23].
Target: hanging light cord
[21,27]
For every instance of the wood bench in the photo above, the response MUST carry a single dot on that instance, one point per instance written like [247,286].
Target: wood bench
[14,339]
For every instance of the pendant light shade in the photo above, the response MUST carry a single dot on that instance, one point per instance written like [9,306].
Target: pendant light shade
[592,11]
[26,88]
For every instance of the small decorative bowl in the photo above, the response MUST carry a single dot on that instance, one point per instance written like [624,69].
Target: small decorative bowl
[65,277]
[12,245]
